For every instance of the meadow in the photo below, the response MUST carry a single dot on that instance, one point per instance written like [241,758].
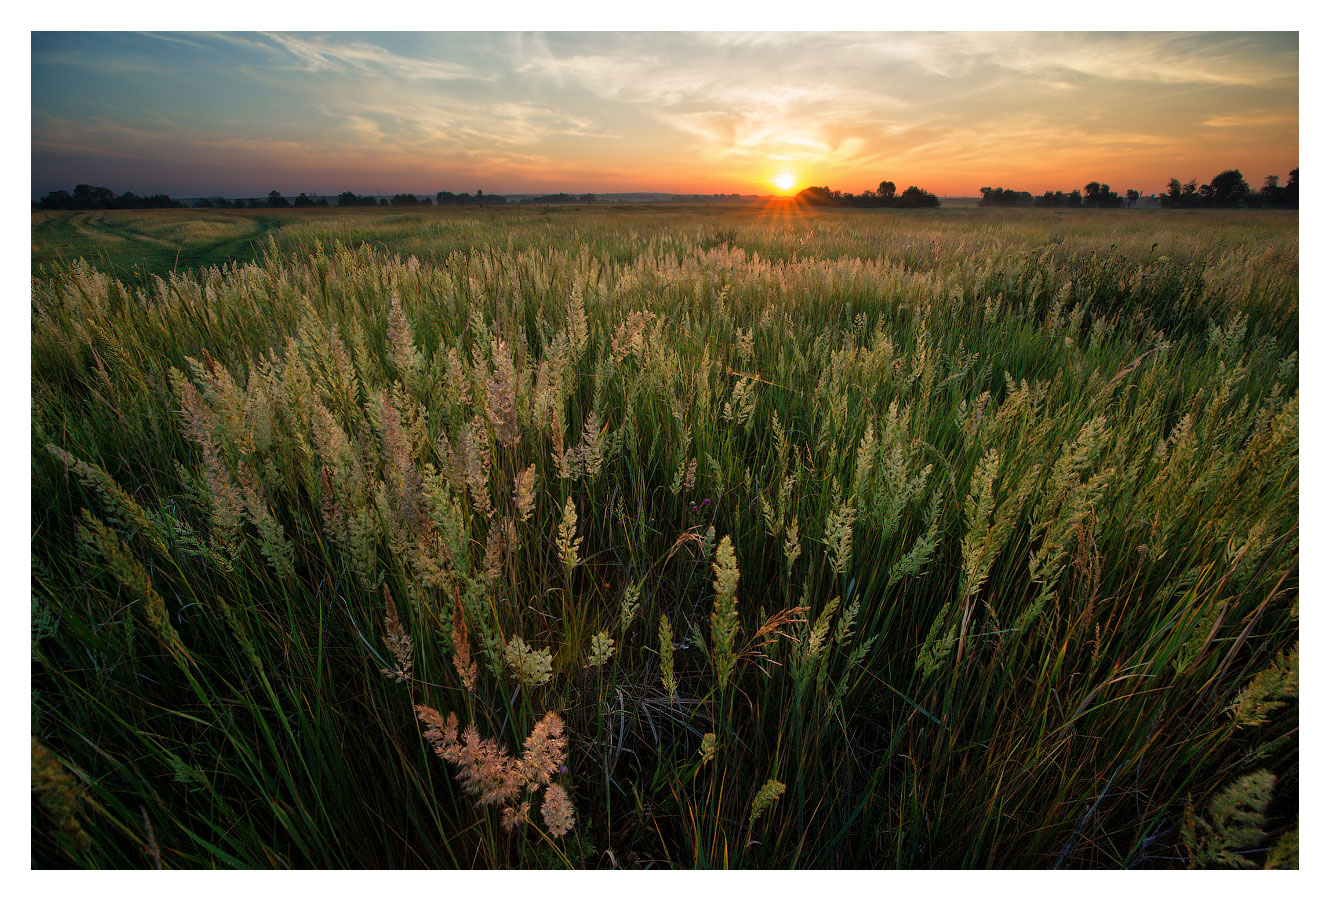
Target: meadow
[657,537]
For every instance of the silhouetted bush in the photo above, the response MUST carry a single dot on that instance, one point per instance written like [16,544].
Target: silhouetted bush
[885,196]
[90,197]
[1004,197]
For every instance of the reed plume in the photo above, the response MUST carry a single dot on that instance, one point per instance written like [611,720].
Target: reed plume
[397,640]
[725,615]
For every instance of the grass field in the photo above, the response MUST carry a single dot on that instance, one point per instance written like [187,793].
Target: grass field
[665,537]
[133,244]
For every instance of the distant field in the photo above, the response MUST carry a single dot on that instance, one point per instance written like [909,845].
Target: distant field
[122,241]
[665,536]
[130,242]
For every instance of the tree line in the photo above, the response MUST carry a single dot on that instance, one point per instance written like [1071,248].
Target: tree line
[274,201]
[1227,190]
[1097,196]
[561,197]
[93,197]
[443,198]
[885,196]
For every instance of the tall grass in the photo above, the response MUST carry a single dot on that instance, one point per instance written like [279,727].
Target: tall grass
[874,550]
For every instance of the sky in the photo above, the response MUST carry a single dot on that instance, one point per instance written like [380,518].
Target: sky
[240,114]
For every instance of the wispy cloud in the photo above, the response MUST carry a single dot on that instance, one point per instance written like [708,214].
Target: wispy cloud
[360,58]
[1167,58]
[1245,121]
[674,109]
[104,65]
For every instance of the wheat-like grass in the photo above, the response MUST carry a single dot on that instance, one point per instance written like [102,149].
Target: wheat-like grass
[998,501]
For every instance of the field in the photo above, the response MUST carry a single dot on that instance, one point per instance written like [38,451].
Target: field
[655,537]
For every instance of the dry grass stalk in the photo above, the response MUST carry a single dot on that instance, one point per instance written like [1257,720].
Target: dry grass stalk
[397,640]
[462,660]
[487,771]
[530,666]
[557,811]
[725,614]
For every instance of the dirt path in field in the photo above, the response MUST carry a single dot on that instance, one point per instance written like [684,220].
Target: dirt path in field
[151,240]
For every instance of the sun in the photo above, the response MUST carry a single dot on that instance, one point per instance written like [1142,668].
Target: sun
[784,181]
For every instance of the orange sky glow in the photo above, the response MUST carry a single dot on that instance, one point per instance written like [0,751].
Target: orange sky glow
[767,113]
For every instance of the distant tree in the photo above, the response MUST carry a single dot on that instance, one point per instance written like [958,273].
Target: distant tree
[1181,197]
[817,196]
[56,200]
[1133,195]
[1004,197]
[1101,197]
[448,198]
[916,197]
[1228,189]
[913,197]
[91,197]
[1059,198]
[350,198]
[1271,194]
[1291,189]
[277,202]
[1172,196]
[543,199]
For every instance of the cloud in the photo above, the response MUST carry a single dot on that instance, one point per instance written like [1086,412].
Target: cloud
[732,96]
[1250,121]
[675,106]
[442,124]
[173,39]
[360,59]
[103,65]
[1167,58]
